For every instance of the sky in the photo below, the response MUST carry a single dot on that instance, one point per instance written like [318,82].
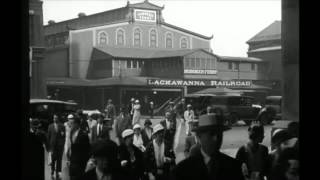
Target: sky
[231,22]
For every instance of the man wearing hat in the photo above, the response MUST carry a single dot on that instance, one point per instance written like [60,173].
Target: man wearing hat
[131,157]
[100,130]
[122,122]
[147,132]
[137,137]
[110,111]
[136,112]
[170,130]
[189,117]
[160,159]
[210,163]
[107,165]
[130,108]
[191,140]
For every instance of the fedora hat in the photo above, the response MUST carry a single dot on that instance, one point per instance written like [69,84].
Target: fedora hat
[210,122]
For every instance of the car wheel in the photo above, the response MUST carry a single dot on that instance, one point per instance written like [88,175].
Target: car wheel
[265,119]
[233,118]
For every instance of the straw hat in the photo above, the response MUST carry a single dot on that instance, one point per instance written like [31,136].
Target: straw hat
[157,128]
[70,116]
[126,133]
[136,126]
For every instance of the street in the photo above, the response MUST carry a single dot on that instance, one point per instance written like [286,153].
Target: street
[232,140]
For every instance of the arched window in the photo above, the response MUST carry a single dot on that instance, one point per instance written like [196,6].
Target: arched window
[169,40]
[120,37]
[153,38]
[102,38]
[183,43]
[137,37]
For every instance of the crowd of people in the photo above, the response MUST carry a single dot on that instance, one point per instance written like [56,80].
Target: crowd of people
[143,152]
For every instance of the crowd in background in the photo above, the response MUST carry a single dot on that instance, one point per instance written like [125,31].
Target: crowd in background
[142,152]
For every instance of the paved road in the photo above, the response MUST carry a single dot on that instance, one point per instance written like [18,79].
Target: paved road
[232,140]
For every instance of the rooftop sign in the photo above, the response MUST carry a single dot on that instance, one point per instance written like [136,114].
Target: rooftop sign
[145,15]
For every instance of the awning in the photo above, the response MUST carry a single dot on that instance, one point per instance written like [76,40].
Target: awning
[219,91]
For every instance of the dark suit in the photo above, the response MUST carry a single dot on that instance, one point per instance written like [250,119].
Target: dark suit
[190,141]
[103,134]
[134,169]
[80,151]
[121,124]
[56,139]
[194,168]
[168,133]
[146,140]
[92,175]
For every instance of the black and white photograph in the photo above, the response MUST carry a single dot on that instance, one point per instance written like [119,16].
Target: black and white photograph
[163,90]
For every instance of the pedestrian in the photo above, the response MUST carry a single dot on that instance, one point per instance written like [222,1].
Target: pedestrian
[136,113]
[254,155]
[209,110]
[191,140]
[151,108]
[130,107]
[67,144]
[122,122]
[173,114]
[83,123]
[100,130]
[131,157]
[169,130]
[80,150]
[56,141]
[210,163]
[137,138]
[181,107]
[147,132]
[106,162]
[159,159]
[110,111]
[189,117]
[91,123]
[287,167]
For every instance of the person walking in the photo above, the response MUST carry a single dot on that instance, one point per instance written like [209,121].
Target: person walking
[130,108]
[189,117]
[80,150]
[191,140]
[147,132]
[67,144]
[169,130]
[136,113]
[56,141]
[91,123]
[137,138]
[122,122]
[159,159]
[210,163]
[254,155]
[151,108]
[110,111]
[100,129]
[83,123]
[106,162]
[131,157]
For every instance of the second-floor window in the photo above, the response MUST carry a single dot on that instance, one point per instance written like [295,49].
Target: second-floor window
[184,43]
[236,66]
[120,37]
[153,38]
[102,38]
[230,67]
[137,37]
[253,66]
[168,40]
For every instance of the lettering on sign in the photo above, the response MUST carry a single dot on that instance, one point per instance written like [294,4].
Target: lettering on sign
[200,71]
[144,15]
[215,83]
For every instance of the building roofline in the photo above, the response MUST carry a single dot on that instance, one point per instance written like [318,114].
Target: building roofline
[238,59]
[186,31]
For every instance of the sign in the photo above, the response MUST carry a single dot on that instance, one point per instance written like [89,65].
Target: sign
[200,71]
[145,15]
[214,83]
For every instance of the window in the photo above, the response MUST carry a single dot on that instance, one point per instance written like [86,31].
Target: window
[236,66]
[129,64]
[169,40]
[192,63]
[120,37]
[153,38]
[197,63]
[102,38]
[187,65]
[230,66]
[253,66]
[137,37]
[203,63]
[184,43]
[135,64]
[141,63]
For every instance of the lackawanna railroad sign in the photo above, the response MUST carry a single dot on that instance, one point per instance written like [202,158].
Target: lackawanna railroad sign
[185,82]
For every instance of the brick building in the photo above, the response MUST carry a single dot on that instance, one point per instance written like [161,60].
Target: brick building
[132,52]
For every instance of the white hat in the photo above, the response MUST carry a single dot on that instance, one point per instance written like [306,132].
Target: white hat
[136,126]
[137,101]
[90,113]
[189,105]
[157,128]
[126,133]
[70,116]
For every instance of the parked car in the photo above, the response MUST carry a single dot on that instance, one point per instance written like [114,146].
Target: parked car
[43,109]
[271,110]
[234,108]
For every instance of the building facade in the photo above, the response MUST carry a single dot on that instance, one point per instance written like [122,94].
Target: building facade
[132,52]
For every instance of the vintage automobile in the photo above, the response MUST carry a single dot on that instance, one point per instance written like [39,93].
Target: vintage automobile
[271,110]
[43,109]
[234,108]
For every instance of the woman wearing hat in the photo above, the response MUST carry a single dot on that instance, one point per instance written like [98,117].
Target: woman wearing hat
[137,137]
[131,157]
[159,159]
[189,117]
[136,113]
[147,132]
